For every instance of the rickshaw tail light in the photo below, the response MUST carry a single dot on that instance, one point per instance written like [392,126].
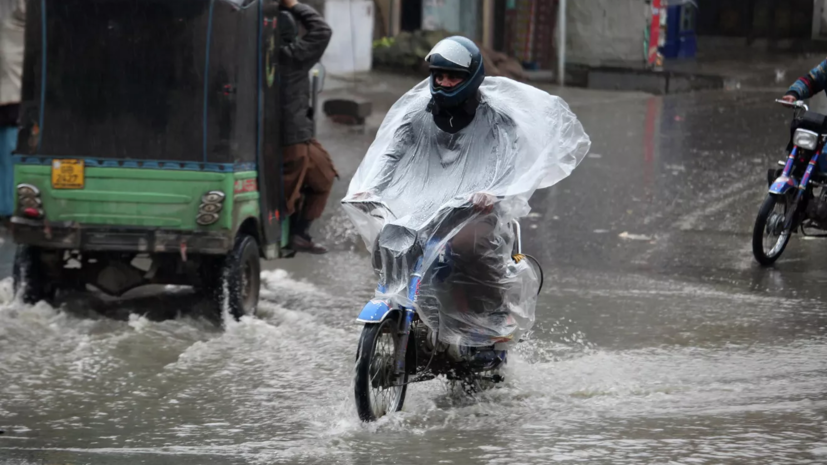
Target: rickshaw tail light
[210,208]
[205,219]
[33,212]
[213,197]
[27,190]
[211,205]
[28,201]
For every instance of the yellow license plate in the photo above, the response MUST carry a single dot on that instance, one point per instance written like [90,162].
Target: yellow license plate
[67,174]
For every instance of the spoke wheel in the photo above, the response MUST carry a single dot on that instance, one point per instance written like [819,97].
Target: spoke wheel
[769,238]
[378,390]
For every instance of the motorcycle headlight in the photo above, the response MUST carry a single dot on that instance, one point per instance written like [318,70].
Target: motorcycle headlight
[805,139]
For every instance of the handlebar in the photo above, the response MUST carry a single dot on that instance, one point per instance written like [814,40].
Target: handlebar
[365,203]
[370,206]
[797,105]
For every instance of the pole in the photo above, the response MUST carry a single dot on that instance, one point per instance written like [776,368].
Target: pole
[314,89]
[392,19]
[487,23]
[561,43]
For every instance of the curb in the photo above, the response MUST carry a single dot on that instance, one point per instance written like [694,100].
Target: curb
[653,82]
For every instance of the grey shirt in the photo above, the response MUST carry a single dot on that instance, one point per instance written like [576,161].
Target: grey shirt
[296,60]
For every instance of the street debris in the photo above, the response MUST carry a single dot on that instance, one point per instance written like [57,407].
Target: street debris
[635,237]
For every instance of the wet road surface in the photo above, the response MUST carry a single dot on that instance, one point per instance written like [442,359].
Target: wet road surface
[658,339]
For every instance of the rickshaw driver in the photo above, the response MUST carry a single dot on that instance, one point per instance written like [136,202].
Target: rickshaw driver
[308,170]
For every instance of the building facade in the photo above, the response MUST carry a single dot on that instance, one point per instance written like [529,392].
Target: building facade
[759,19]
[599,30]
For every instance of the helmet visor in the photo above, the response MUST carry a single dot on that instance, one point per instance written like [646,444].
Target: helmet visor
[453,52]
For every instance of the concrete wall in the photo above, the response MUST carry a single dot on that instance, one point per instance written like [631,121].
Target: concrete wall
[460,16]
[606,31]
[820,19]
[388,15]
[351,47]
[823,18]
[6,6]
[382,24]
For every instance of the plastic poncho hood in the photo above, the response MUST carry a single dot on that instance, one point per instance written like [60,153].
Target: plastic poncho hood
[409,201]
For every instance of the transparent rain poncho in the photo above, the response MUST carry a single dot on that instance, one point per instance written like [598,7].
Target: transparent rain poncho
[410,202]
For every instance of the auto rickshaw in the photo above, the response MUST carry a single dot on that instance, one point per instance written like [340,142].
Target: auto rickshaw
[149,148]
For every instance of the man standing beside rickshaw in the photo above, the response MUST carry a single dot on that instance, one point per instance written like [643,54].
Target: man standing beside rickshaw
[308,170]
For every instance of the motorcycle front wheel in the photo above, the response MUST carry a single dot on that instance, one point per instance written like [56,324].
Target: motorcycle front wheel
[378,391]
[769,238]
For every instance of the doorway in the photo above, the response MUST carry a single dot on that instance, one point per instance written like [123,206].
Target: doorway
[411,15]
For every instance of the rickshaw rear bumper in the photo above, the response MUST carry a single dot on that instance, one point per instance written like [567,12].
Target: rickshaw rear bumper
[74,236]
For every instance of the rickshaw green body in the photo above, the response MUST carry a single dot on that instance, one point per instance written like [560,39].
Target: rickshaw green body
[142,197]
[156,200]
[160,107]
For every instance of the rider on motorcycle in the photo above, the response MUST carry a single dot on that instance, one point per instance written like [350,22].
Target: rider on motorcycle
[455,103]
[462,140]
[807,86]
[456,73]
[437,199]
[804,88]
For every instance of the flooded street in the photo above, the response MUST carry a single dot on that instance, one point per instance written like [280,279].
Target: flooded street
[658,339]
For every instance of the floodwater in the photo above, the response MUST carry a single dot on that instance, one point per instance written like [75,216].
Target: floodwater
[658,340]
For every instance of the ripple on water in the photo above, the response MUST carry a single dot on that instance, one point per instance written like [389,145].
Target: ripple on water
[278,388]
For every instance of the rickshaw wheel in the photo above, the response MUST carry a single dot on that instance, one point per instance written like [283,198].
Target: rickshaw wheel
[29,279]
[241,278]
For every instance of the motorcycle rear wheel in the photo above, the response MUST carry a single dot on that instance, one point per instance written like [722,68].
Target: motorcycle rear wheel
[768,237]
[377,392]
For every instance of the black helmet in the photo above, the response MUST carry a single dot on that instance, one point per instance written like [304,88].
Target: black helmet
[460,55]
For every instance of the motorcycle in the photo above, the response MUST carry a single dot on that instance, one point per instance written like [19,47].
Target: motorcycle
[797,198]
[439,213]
[400,342]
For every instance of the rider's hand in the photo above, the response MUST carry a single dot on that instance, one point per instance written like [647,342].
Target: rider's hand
[789,98]
[288,3]
[483,202]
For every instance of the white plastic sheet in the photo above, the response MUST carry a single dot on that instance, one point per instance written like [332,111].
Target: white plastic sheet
[410,200]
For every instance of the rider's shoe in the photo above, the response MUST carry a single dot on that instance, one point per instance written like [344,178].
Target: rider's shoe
[302,244]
